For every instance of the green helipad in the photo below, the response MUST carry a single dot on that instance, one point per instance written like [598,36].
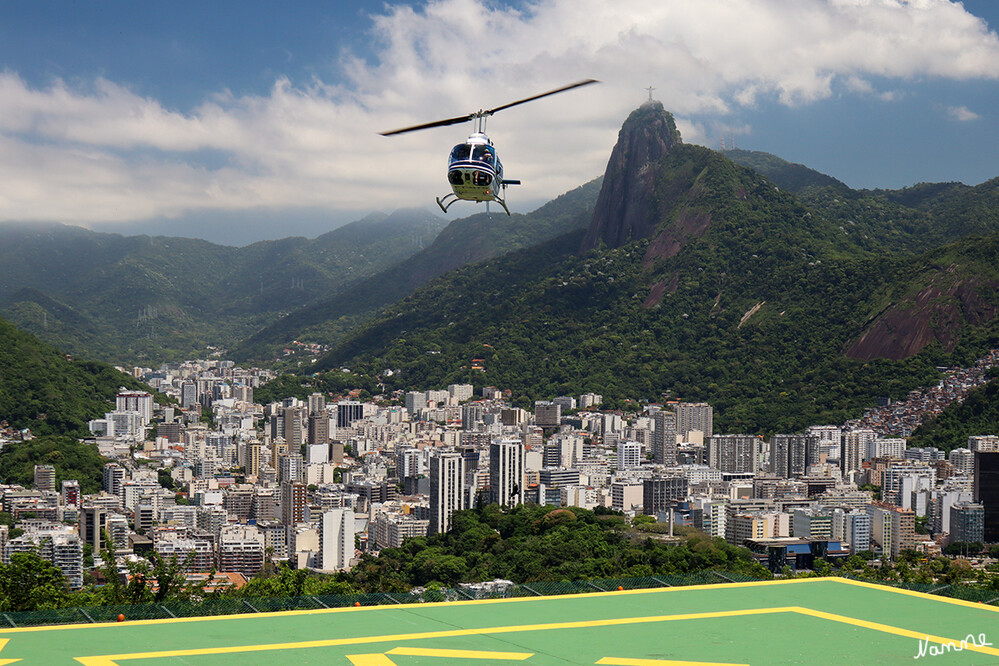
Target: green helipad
[807,621]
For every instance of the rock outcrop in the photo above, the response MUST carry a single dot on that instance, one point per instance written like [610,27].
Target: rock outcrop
[624,210]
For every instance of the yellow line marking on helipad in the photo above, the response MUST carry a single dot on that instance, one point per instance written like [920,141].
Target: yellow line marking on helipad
[111,660]
[377,659]
[3,644]
[614,661]
[460,654]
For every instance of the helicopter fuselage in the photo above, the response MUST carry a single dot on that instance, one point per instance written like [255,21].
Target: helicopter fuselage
[474,170]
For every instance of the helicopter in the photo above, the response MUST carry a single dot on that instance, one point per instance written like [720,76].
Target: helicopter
[474,170]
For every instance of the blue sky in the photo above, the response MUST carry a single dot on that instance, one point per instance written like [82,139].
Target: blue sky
[242,120]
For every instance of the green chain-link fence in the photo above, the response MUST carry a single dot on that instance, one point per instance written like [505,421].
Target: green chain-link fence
[239,605]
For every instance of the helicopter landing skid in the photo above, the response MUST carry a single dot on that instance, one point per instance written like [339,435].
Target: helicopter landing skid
[448,199]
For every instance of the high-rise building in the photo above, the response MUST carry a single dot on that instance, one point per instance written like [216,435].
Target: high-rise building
[317,404]
[812,524]
[293,500]
[963,461]
[790,455]
[629,455]
[114,478]
[291,467]
[547,414]
[506,472]
[984,443]
[294,427]
[694,416]
[664,438]
[659,492]
[471,416]
[854,450]
[967,523]
[45,477]
[626,494]
[853,527]
[348,411]
[886,447]
[460,392]
[71,493]
[336,540]
[409,463]
[565,402]
[242,549]
[93,523]
[253,458]
[319,428]
[415,401]
[987,491]
[189,396]
[447,489]
[734,453]
[136,401]
[892,528]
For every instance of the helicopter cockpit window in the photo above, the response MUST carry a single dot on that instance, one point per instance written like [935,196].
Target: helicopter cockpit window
[460,152]
[483,154]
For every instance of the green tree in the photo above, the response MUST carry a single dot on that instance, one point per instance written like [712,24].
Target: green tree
[31,583]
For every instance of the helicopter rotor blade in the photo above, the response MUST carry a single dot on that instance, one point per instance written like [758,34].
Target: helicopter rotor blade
[436,123]
[577,84]
[481,114]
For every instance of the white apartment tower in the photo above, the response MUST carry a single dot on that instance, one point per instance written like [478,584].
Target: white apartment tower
[506,472]
[336,540]
[447,486]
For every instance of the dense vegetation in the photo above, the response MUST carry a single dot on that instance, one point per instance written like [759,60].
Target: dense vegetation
[464,241]
[535,543]
[71,458]
[131,299]
[43,390]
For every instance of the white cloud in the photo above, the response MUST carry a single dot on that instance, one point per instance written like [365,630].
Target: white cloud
[101,152]
[962,113]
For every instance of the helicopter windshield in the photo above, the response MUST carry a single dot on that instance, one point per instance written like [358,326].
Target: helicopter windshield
[483,154]
[460,152]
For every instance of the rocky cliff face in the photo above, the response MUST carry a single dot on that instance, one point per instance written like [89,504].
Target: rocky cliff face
[938,313]
[624,211]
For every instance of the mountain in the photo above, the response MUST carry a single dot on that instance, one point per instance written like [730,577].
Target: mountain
[912,219]
[464,241]
[52,394]
[786,175]
[699,279]
[125,299]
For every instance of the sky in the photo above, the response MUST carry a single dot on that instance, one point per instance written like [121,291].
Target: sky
[241,120]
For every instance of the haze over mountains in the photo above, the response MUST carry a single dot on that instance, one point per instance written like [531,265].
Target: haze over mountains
[774,291]
[140,298]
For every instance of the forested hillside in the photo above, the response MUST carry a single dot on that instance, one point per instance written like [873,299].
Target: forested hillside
[48,392]
[131,299]
[465,241]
